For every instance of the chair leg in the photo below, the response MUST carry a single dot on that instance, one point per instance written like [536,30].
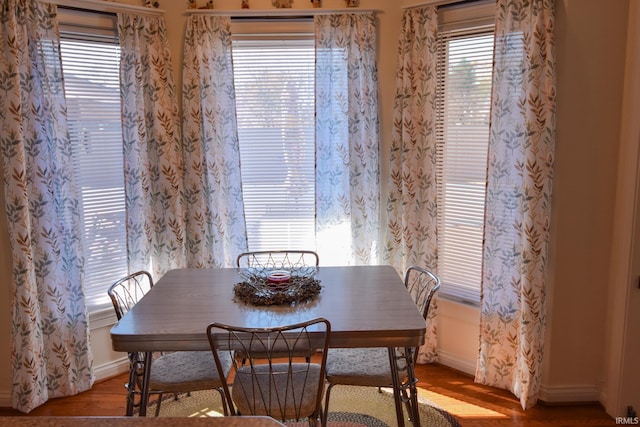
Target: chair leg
[407,404]
[225,410]
[131,386]
[158,404]
[313,421]
[411,391]
[397,387]
[325,414]
[130,401]
[144,385]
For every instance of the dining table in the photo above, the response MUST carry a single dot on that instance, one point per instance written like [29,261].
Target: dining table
[367,306]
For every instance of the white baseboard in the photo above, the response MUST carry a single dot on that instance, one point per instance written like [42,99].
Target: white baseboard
[455,362]
[569,394]
[5,399]
[111,369]
[548,394]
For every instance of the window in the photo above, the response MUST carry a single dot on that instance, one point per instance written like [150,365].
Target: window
[274,74]
[90,62]
[464,94]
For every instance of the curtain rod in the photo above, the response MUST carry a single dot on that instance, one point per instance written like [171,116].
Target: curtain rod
[106,6]
[265,13]
[434,3]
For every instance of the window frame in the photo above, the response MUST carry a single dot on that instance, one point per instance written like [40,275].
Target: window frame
[100,28]
[289,34]
[456,22]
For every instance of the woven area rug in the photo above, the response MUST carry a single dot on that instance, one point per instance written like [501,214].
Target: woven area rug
[349,407]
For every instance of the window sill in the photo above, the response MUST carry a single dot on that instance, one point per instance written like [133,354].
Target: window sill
[102,318]
[459,300]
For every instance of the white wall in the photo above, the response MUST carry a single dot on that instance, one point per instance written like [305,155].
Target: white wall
[591,38]
[623,344]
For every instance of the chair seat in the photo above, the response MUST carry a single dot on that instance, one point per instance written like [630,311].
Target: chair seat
[362,367]
[278,394]
[184,371]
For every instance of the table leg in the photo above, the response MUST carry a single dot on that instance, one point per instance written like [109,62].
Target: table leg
[397,394]
[144,393]
[413,390]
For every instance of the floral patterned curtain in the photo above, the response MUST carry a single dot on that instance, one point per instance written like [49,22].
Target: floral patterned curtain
[216,231]
[411,237]
[518,204]
[153,161]
[50,352]
[347,137]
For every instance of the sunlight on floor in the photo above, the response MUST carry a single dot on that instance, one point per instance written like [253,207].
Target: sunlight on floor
[455,407]
[458,407]
[207,412]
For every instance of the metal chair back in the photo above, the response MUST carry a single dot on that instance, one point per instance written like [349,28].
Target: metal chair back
[126,292]
[278,259]
[274,381]
[422,285]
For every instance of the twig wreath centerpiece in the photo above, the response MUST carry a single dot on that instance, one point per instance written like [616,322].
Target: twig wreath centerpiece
[267,286]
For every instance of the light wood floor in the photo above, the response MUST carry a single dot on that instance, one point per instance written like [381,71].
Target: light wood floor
[471,404]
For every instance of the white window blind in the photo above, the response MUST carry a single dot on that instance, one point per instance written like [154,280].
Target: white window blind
[90,62]
[274,82]
[464,93]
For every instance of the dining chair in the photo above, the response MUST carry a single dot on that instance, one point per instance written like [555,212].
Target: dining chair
[285,388]
[175,372]
[297,262]
[370,367]
[278,259]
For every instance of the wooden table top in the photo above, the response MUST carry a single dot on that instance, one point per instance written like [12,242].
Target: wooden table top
[368,306]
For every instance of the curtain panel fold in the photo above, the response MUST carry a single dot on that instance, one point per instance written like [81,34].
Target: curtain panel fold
[411,232]
[50,353]
[153,170]
[216,229]
[518,201]
[347,139]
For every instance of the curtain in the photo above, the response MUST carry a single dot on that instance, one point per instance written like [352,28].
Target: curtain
[50,352]
[347,138]
[152,148]
[518,202]
[411,237]
[216,230]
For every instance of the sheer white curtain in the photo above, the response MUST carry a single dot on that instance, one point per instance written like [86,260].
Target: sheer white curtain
[50,353]
[411,204]
[347,138]
[518,204]
[216,230]
[152,159]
